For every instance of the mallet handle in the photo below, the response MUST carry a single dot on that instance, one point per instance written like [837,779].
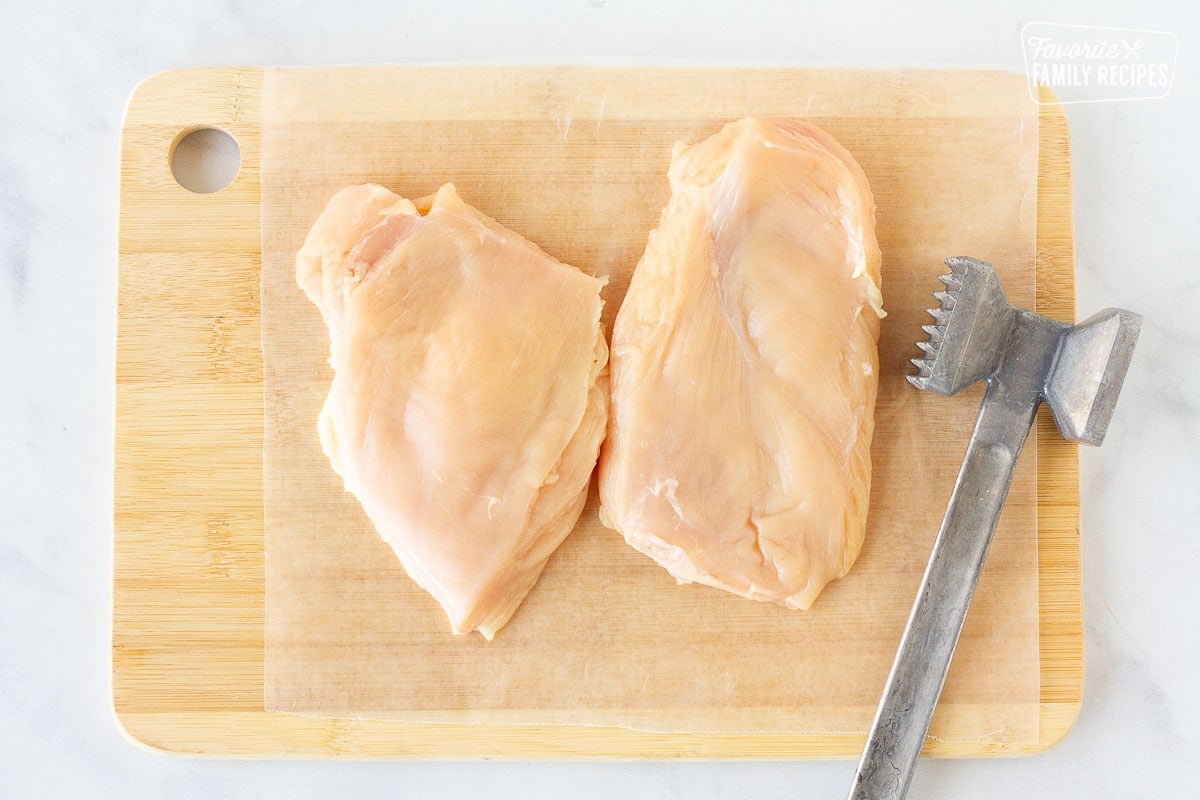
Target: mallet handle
[915,682]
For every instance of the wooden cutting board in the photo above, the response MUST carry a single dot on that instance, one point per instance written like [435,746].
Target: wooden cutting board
[188,581]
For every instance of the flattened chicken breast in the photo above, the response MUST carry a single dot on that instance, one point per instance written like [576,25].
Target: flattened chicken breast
[469,393]
[744,367]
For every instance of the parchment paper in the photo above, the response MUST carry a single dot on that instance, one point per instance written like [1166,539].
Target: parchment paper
[575,159]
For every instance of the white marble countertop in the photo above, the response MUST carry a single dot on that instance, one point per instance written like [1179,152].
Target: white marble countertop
[66,70]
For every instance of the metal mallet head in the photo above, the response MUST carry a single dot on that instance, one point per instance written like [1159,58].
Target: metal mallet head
[972,334]
[1025,358]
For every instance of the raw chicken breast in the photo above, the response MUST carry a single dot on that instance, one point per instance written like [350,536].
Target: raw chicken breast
[744,367]
[469,396]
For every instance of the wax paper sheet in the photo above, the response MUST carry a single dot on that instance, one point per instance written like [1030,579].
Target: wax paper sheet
[575,159]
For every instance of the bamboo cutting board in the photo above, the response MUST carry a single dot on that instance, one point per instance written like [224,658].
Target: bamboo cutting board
[188,588]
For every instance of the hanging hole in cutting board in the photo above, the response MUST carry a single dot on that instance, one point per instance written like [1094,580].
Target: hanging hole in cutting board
[205,160]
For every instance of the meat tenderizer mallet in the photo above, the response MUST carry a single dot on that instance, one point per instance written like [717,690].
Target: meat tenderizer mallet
[1025,358]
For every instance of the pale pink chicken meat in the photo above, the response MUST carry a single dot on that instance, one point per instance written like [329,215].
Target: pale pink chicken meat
[468,401]
[745,366]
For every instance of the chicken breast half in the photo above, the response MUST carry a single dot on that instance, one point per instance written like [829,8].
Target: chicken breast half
[469,393]
[745,365]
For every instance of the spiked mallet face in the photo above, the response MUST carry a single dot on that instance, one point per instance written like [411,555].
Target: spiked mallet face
[1025,358]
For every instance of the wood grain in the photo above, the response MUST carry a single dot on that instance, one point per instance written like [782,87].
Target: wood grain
[188,562]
